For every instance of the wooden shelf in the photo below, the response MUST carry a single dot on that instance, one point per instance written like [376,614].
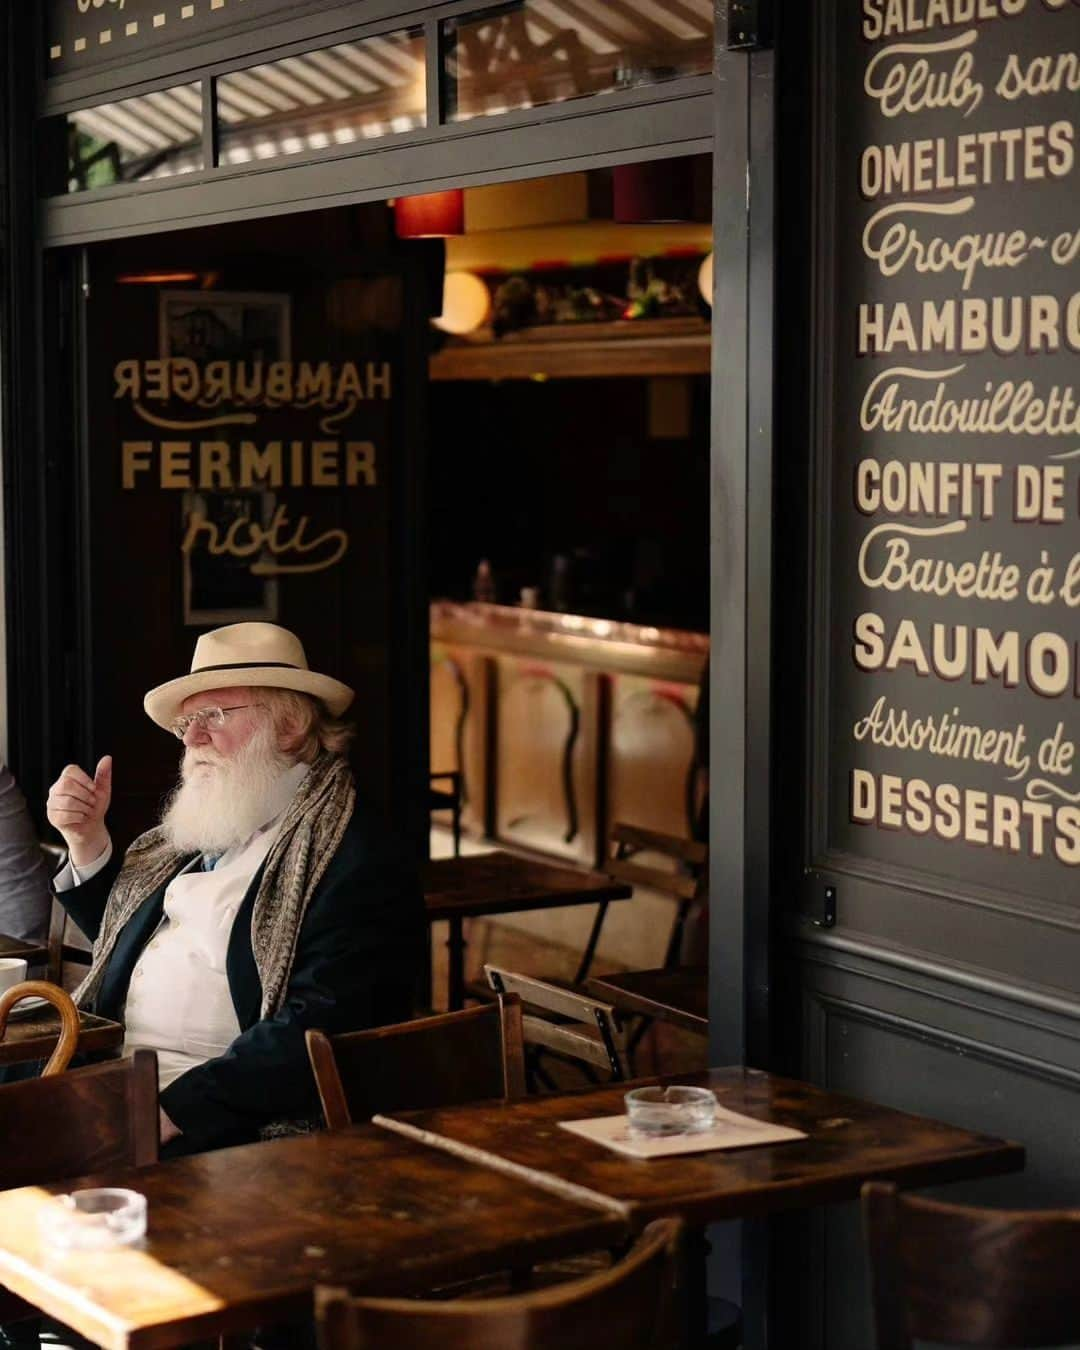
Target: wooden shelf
[586,351]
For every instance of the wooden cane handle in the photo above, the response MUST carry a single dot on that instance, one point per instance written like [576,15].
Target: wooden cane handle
[68,1039]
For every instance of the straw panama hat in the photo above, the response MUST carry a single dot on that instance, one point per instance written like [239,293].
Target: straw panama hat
[246,654]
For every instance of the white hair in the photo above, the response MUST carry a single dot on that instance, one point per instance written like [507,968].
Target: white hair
[303,724]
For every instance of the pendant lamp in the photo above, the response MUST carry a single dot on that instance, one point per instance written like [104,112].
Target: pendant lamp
[431,215]
[656,190]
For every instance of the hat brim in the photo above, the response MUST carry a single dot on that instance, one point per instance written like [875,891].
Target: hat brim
[164,704]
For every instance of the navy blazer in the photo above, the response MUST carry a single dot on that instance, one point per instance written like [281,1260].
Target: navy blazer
[358,963]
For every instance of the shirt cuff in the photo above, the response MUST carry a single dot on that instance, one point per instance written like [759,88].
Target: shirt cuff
[69,876]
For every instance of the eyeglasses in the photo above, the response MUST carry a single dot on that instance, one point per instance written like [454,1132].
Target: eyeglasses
[207,719]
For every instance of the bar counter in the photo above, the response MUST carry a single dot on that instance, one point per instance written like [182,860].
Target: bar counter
[563,724]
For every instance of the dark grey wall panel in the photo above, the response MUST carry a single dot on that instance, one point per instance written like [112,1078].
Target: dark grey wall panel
[916,1041]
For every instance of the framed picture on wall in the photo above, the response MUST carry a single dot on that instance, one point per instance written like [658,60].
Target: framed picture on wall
[225,325]
[221,532]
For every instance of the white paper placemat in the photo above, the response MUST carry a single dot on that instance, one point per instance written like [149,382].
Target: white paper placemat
[730,1131]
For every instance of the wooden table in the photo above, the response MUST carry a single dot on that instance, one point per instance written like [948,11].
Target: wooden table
[850,1141]
[33,953]
[679,996]
[240,1237]
[502,883]
[32,1035]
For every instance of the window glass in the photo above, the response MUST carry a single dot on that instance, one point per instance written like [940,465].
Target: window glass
[153,136]
[335,96]
[532,52]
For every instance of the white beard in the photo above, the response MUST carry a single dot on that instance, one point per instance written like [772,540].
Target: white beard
[221,801]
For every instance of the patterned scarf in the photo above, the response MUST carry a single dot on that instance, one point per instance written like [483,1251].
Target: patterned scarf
[310,833]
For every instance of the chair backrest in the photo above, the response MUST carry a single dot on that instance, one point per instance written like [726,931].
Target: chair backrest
[448,798]
[105,1115]
[684,884]
[623,1308]
[976,1277]
[578,1027]
[68,1040]
[446,1060]
[60,949]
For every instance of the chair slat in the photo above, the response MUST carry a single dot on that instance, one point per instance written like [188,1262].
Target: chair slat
[572,1041]
[671,885]
[536,993]
[689,850]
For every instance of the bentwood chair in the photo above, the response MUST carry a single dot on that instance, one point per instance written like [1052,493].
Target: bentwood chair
[622,1308]
[955,1275]
[444,1060]
[85,1120]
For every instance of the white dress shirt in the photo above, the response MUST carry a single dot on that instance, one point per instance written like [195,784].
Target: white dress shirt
[178,1002]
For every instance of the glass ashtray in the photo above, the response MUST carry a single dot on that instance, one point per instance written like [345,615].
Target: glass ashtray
[93,1220]
[659,1111]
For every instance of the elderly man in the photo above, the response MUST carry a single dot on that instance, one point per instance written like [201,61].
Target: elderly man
[266,900]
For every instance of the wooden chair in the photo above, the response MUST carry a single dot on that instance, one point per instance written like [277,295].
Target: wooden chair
[435,1061]
[61,951]
[68,1040]
[623,1308]
[448,799]
[114,1105]
[684,885]
[953,1274]
[577,1027]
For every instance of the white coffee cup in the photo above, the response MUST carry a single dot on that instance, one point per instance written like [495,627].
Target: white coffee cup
[12,971]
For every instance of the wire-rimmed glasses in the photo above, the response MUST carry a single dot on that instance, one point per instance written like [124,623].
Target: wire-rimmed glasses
[207,719]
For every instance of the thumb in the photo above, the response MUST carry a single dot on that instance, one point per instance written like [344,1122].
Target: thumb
[103,774]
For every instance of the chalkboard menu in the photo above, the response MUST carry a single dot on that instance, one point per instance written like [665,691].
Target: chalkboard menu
[951,443]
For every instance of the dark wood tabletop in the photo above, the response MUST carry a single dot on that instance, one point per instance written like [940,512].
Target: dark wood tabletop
[32,1034]
[679,995]
[503,883]
[240,1237]
[849,1142]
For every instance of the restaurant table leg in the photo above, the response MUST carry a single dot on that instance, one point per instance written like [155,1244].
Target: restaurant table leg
[695,1254]
[426,991]
[708,1324]
[455,951]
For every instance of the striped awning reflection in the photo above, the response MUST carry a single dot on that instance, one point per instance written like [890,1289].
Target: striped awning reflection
[376,86]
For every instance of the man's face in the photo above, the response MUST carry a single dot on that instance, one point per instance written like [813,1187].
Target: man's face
[211,746]
[230,774]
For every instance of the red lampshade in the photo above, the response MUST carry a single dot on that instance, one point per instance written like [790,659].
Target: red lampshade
[656,190]
[432,215]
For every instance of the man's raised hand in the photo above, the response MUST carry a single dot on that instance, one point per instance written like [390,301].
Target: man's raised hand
[76,807]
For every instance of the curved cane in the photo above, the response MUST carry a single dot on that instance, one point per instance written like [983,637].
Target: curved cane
[69,1019]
